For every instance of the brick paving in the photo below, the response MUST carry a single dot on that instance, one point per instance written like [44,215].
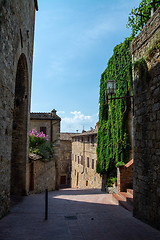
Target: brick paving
[73,214]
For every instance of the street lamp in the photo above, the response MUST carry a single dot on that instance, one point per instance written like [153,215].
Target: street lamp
[111,87]
[111,90]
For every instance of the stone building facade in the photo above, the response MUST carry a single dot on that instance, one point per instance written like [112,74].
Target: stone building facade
[49,123]
[65,159]
[84,160]
[147,123]
[16,40]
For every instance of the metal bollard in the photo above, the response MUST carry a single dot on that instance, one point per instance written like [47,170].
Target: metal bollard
[46,204]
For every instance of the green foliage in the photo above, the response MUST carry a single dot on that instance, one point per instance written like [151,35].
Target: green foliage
[111,181]
[112,139]
[39,144]
[45,150]
[155,47]
[35,141]
[139,16]
[120,164]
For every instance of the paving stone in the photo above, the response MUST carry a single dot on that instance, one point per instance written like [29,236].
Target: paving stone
[97,218]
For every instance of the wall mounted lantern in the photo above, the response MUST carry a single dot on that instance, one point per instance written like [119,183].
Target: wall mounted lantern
[111,87]
[111,90]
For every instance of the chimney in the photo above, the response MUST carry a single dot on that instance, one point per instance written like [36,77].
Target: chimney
[53,113]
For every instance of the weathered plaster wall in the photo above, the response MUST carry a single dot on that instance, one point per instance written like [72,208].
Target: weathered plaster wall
[36,124]
[16,38]
[147,127]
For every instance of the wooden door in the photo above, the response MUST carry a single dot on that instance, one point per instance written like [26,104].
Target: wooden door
[63,180]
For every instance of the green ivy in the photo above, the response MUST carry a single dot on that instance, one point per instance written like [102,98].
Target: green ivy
[113,143]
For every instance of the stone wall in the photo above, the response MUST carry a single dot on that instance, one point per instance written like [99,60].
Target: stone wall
[147,125]
[16,53]
[52,123]
[42,175]
[65,159]
[84,161]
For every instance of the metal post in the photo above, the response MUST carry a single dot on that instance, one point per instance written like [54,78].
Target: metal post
[46,204]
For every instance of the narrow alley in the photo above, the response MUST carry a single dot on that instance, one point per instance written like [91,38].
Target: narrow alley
[73,214]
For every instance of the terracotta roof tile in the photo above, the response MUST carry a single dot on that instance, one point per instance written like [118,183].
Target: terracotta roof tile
[44,116]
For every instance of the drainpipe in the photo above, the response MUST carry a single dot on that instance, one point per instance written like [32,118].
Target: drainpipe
[51,131]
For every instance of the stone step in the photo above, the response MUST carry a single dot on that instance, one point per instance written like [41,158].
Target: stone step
[127,197]
[119,200]
[130,191]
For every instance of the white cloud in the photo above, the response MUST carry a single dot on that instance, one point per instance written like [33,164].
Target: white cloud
[77,121]
[80,116]
[60,112]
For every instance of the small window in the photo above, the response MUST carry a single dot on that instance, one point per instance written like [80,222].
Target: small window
[82,160]
[88,162]
[75,158]
[75,172]
[92,139]
[86,183]
[43,129]
[92,163]
[82,139]
[78,159]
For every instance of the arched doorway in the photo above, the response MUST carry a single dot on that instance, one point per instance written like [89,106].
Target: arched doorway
[20,128]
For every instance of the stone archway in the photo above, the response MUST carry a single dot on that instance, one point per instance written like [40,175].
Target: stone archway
[20,129]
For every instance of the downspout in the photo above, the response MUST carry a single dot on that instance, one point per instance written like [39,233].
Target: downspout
[51,132]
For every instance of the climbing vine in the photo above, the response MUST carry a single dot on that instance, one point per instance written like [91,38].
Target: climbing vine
[113,143]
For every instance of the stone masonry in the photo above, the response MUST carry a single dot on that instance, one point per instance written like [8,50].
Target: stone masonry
[16,40]
[42,174]
[84,161]
[49,123]
[147,125]
[65,159]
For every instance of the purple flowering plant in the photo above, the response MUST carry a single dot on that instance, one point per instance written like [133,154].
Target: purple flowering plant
[39,144]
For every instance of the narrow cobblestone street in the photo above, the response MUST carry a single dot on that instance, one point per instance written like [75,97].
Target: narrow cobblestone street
[73,214]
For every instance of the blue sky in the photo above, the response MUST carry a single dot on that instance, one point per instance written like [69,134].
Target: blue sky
[74,40]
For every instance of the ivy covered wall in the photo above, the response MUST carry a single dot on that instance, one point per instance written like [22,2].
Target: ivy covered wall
[113,144]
